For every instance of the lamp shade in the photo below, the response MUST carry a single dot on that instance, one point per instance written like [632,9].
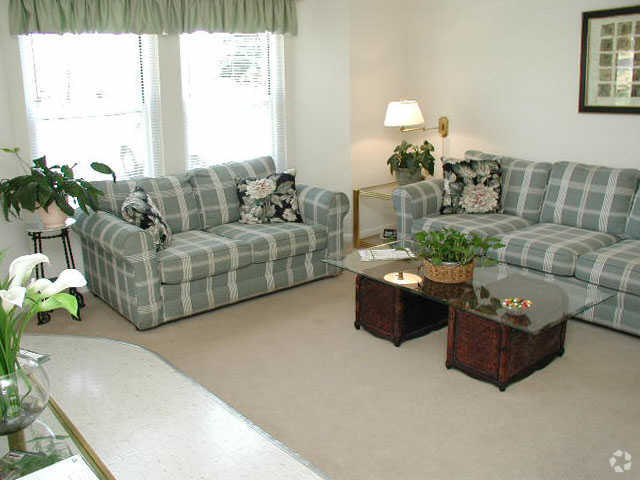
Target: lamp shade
[403,113]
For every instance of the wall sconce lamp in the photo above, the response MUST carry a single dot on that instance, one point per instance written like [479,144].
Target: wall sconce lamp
[407,115]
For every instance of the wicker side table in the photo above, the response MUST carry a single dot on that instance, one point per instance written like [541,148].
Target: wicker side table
[393,314]
[498,353]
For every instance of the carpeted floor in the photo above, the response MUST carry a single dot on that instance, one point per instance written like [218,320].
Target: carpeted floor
[359,408]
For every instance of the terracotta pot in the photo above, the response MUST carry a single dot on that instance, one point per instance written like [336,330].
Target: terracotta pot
[448,272]
[53,217]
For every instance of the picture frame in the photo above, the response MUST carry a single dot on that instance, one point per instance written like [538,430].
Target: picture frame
[610,61]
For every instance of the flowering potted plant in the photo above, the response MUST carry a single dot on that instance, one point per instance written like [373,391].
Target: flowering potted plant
[23,383]
[48,189]
[449,256]
[408,161]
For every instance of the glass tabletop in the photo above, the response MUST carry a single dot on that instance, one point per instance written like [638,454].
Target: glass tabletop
[554,298]
[48,440]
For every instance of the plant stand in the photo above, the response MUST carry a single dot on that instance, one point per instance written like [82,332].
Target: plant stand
[37,233]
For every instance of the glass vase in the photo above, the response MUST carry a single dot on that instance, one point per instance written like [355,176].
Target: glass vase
[24,394]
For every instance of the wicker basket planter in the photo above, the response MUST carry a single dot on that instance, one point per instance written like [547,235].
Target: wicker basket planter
[448,272]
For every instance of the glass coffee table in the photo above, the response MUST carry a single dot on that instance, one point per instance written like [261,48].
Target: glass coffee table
[484,339]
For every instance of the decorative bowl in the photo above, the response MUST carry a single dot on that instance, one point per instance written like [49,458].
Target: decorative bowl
[517,305]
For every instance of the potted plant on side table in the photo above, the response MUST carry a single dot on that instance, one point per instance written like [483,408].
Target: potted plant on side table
[450,256]
[408,161]
[48,190]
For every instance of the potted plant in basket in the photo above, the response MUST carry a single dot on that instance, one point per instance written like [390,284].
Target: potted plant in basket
[450,256]
[24,385]
[48,190]
[408,161]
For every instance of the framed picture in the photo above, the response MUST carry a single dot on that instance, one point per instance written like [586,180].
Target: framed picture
[610,61]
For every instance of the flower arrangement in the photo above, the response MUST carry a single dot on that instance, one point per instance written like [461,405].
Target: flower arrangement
[22,299]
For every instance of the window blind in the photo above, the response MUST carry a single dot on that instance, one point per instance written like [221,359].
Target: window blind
[94,97]
[233,93]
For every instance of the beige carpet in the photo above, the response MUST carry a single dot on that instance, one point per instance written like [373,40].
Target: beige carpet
[359,408]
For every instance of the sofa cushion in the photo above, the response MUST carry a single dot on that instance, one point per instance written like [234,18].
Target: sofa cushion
[471,186]
[588,196]
[272,241]
[196,254]
[487,225]
[173,195]
[616,266]
[216,191]
[549,247]
[633,222]
[523,184]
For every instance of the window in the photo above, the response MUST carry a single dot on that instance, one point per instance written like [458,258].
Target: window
[94,97]
[233,92]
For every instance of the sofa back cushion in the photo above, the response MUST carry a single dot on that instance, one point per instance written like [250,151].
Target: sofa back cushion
[523,184]
[173,195]
[589,196]
[216,191]
[633,222]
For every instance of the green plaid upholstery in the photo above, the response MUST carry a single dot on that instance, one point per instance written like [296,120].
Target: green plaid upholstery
[173,195]
[121,267]
[414,201]
[196,254]
[327,208]
[633,222]
[523,183]
[591,197]
[216,191]
[485,224]
[189,298]
[549,247]
[272,241]
[621,312]
[616,266]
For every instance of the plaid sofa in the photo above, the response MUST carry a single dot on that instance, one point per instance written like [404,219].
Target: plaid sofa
[213,260]
[567,219]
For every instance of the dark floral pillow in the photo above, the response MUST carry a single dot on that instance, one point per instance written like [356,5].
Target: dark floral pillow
[471,186]
[269,200]
[139,209]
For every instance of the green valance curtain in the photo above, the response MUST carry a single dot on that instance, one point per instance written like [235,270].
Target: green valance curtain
[152,16]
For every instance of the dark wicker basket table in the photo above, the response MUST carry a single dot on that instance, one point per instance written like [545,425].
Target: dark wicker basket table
[484,340]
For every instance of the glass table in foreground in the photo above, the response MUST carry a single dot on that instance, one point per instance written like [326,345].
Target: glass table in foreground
[484,339]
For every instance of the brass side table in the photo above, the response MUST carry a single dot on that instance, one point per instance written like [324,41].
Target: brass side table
[384,192]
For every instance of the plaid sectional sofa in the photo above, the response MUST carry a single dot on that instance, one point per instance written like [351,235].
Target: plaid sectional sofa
[213,260]
[567,219]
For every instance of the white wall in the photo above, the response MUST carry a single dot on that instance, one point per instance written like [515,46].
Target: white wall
[506,74]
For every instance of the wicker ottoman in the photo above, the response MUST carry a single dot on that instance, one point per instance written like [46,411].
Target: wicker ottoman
[498,353]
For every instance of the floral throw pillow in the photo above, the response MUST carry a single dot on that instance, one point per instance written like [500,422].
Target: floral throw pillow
[269,200]
[471,186]
[139,210]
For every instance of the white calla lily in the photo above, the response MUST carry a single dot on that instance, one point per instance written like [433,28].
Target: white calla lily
[14,297]
[67,279]
[39,285]
[21,268]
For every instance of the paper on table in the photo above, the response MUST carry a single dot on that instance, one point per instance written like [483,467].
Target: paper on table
[73,468]
[370,254]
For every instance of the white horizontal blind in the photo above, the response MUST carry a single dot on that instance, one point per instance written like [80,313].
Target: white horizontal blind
[94,97]
[233,93]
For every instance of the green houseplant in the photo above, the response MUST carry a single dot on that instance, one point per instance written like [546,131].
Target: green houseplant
[408,161]
[449,256]
[23,383]
[48,190]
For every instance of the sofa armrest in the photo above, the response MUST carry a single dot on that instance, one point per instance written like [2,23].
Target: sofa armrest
[327,208]
[114,235]
[415,201]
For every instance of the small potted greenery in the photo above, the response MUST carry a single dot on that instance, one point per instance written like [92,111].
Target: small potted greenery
[449,256]
[408,161]
[48,190]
